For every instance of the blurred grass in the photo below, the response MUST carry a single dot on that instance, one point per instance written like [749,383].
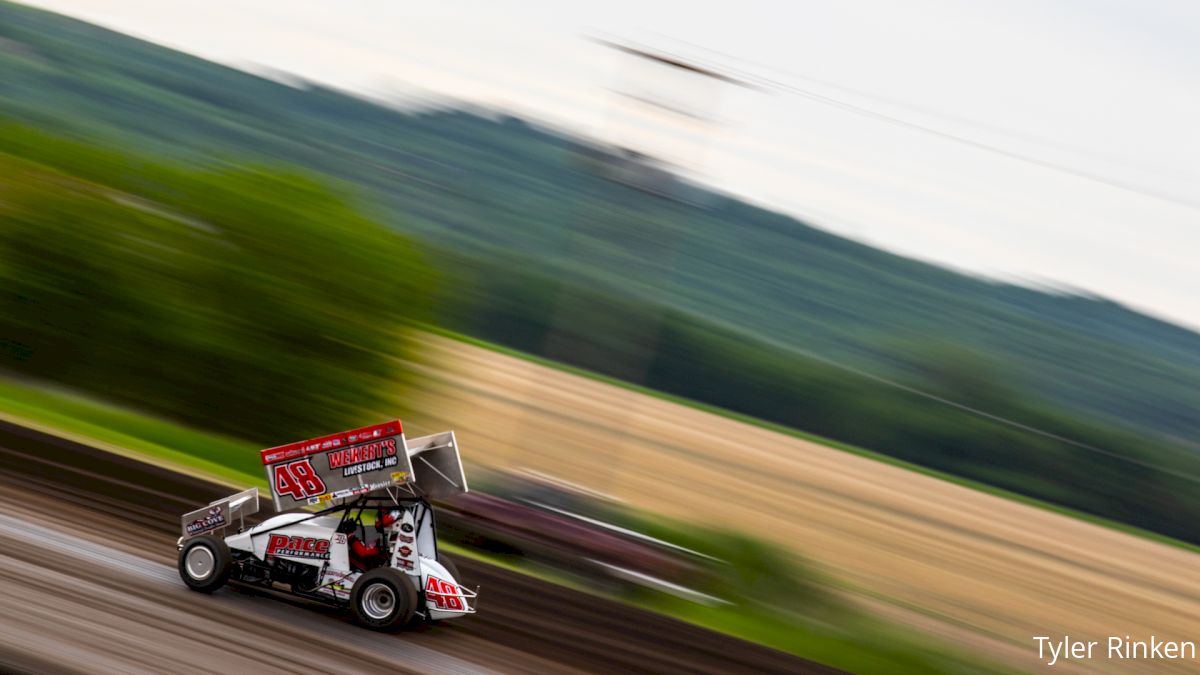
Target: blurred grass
[816,438]
[84,419]
[835,633]
[857,643]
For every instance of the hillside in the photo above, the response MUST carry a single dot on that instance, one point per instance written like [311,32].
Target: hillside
[490,184]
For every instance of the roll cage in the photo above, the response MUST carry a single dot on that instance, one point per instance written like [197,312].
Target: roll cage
[352,511]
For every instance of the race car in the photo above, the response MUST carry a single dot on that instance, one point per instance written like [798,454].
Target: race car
[372,544]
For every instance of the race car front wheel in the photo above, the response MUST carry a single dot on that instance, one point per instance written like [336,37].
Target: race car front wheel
[448,563]
[204,563]
[383,599]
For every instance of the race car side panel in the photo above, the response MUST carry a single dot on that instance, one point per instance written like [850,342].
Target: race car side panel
[296,536]
[339,554]
[338,584]
[444,597]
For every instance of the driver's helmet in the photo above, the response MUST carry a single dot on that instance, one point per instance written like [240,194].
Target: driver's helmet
[383,519]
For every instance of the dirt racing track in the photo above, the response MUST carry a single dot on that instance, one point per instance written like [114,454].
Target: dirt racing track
[87,567]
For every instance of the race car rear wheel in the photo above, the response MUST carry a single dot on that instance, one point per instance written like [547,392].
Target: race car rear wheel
[204,563]
[383,599]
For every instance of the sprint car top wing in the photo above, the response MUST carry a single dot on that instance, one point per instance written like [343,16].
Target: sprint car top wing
[345,465]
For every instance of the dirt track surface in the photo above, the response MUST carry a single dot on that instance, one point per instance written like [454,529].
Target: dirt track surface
[100,530]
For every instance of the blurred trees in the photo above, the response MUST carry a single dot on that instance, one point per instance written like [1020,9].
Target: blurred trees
[248,301]
[256,302]
[1122,475]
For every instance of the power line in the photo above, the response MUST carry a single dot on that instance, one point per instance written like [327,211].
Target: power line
[893,103]
[979,145]
[765,81]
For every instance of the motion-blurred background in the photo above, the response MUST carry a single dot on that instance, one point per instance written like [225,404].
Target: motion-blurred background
[864,333]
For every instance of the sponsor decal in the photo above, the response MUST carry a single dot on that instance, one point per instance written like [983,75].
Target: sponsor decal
[315,445]
[443,594]
[406,527]
[339,538]
[404,538]
[375,465]
[406,564]
[210,521]
[405,551]
[298,547]
[399,476]
[365,457]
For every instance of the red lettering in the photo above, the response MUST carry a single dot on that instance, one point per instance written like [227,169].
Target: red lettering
[275,543]
[361,453]
[444,594]
[285,484]
[281,544]
[312,483]
[298,480]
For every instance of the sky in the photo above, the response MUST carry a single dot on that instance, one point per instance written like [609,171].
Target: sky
[1107,89]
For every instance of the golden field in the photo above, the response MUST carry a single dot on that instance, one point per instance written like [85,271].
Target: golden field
[980,570]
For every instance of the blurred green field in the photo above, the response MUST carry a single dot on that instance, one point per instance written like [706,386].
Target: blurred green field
[77,417]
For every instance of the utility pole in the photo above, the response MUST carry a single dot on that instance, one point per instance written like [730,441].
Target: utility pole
[658,128]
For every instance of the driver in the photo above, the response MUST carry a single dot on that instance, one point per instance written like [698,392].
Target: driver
[366,556]
[384,519]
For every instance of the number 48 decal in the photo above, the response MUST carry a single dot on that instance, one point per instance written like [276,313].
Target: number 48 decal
[298,480]
[444,594]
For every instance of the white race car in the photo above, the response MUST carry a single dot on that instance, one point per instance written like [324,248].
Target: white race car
[371,547]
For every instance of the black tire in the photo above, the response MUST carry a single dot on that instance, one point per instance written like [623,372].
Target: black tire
[383,599]
[204,563]
[448,563]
